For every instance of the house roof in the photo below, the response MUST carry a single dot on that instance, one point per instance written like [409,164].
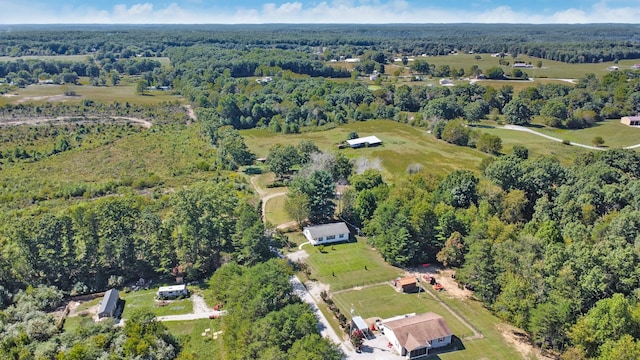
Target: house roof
[371,140]
[327,229]
[406,281]
[172,288]
[415,331]
[109,302]
[631,117]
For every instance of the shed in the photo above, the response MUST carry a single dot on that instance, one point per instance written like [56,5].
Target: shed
[407,284]
[327,233]
[364,141]
[631,120]
[109,304]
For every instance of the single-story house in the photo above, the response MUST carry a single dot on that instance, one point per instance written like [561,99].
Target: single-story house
[522,65]
[407,284]
[327,233]
[109,304]
[419,335]
[172,291]
[635,67]
[613,68]
[364,141]
[631,120]
[446,82]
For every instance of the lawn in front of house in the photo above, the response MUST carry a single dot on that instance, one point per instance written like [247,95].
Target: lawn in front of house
[145,299]
[347,265]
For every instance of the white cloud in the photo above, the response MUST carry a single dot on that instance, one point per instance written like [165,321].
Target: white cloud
[337,11]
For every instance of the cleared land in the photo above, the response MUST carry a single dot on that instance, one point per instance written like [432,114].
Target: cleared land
[55,93]
[146,299]
[615,134]
[194,344]
[402,146]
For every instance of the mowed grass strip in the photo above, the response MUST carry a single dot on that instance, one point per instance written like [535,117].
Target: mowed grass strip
[402,145]
[343,265]
[196,346]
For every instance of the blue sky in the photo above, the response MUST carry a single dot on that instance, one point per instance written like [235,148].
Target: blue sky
[317,11]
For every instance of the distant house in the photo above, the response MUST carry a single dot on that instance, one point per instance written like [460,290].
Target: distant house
[364,141]
[613,68]
[352,60]
[446,82]
[631,120]
[417,336]
[407,284]
[165,292]
[109,304]
[522,65]
[326,234]
[635,67]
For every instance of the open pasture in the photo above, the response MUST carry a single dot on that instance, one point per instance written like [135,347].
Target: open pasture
[402,145]
[55,93]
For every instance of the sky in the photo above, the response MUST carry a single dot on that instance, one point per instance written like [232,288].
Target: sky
[312,11]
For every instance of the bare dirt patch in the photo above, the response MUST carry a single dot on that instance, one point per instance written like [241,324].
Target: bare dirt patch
[521,342]
[50,98]
[444,277]
[74,119]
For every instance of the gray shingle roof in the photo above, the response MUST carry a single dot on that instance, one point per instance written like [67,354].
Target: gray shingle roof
[109,302]
[327,229]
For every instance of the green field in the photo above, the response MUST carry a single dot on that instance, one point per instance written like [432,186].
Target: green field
[343,265]
[145,299]
[402,146]
[549,69]
[614,133]
[275,211]
[193,343]
[55,93]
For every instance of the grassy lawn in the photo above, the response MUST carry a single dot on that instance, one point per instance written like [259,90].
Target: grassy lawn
[615,134]
[73,323]
[275,211]
[347,262]
[146,299]
[120,93]
[402,146]
[382,301]
[194,344]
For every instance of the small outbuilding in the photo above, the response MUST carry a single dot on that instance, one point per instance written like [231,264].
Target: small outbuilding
[166,292]
[357,323]
[631,120]
[364,141]
[327,233]
[407,284]
[109,304]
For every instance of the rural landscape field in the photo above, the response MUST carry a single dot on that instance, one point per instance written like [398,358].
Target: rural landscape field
[460,191]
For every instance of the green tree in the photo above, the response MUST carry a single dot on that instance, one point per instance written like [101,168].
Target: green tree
[452,254]
[281,158]
[488,143]
[459,189]
[598,141]
[320,190]
[297,206]
[140,86]
[456,132]
[517,113]
[494,73]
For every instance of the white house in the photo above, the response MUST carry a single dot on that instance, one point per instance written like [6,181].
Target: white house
[326,234]
[165,292]
[364,141]
[417,336]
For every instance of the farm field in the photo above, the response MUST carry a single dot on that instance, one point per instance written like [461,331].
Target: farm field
[402,146]
[120,93]
[615,134]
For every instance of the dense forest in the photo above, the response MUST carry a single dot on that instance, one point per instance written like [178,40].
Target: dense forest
[551,247]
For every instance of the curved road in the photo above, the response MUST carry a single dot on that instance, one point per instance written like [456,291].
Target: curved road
[525,129]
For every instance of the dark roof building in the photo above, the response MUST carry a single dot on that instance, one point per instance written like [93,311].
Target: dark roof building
[109,304]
